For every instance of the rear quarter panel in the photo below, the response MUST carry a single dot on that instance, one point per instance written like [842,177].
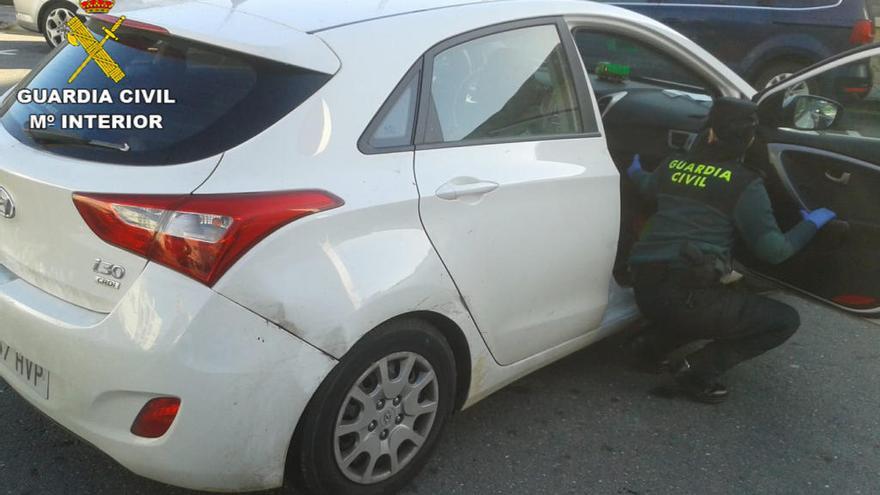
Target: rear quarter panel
[332,277]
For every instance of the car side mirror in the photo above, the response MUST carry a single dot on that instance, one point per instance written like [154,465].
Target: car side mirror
[811,113]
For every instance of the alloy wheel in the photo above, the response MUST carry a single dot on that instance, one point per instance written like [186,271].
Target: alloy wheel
[56,25]
[386,417]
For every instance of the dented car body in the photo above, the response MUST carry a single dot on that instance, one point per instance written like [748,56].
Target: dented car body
[193,294]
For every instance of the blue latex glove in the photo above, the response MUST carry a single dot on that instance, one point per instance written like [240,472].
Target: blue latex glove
[820,216]
[635,168]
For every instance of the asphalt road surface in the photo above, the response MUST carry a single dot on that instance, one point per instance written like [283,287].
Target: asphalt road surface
[19,50]
[804,418]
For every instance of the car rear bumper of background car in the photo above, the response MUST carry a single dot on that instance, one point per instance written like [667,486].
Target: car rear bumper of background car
[243,382]
[27,13]
[26,21]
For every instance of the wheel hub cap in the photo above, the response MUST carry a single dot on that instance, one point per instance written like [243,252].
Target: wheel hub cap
[386,418]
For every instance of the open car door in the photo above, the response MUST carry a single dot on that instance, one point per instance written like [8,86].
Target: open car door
[821,134]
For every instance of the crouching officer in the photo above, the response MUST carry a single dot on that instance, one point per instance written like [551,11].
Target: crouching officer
[704,198]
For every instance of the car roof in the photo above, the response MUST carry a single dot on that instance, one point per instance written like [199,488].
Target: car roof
[283,30]
[311,16]
[317,15]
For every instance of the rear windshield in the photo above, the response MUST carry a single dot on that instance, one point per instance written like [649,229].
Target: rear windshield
[196,100]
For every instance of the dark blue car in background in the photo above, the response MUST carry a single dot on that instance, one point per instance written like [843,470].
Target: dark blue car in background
[766,41]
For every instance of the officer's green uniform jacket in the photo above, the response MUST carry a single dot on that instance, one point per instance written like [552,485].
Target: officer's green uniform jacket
[705,199]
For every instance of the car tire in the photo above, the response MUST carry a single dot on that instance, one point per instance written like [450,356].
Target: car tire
[356,413]
[778,71]
[53,19]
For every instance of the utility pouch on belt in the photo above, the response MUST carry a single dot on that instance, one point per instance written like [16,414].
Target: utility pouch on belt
[703,270]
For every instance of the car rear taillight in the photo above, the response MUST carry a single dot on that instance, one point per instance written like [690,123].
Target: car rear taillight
[156,417]
[862,33]
[198,235]
[857,90]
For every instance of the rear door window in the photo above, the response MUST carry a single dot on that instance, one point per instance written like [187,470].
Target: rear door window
[222,98]
[514,85]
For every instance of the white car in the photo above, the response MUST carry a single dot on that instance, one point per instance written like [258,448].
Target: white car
[47,17]
[356,219]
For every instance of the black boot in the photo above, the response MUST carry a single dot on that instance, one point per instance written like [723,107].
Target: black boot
[697,387]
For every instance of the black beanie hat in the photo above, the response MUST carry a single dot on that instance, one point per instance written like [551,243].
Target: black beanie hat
[734,120]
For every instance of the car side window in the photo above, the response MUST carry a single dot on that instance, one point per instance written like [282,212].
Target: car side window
[843,100]
[394,126]
[514,85]
[614,55]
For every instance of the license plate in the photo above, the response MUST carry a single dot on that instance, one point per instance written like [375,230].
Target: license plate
[30,372]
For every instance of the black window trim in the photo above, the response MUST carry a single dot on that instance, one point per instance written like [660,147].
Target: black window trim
[363,144]
[582,92]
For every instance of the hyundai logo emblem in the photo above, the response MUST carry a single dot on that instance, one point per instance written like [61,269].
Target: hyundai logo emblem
[7,206]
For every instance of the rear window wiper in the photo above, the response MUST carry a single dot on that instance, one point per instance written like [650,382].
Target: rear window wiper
[58,137]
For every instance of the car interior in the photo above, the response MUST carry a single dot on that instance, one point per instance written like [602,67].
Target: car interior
[524,74]
[641,91]
[830,160]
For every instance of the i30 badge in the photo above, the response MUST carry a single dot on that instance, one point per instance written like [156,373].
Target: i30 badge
[7,206]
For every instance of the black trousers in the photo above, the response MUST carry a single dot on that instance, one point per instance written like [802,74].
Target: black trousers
[740,324]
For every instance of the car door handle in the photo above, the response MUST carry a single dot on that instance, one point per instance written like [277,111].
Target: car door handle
[465,186]
[843,179]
